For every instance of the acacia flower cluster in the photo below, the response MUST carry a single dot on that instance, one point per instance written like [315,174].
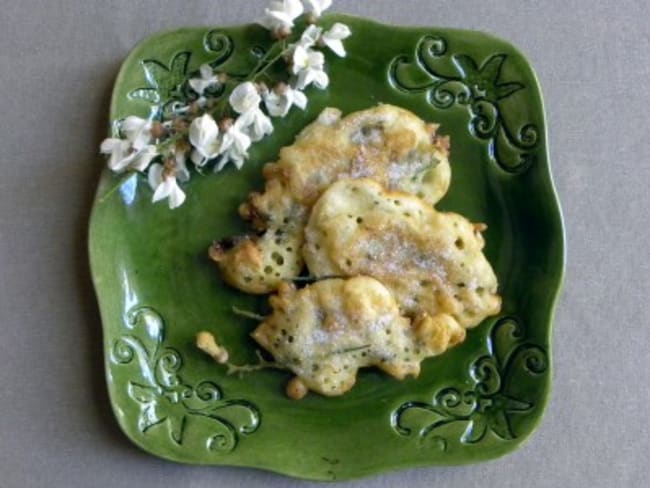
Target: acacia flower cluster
[217,130]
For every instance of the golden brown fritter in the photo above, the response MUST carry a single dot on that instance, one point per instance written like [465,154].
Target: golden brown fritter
[387,144]
[325,332]
[431,261]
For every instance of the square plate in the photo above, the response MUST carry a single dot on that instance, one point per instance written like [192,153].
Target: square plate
[156,286]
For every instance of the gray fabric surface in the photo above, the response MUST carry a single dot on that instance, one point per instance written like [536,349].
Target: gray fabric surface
[58,60]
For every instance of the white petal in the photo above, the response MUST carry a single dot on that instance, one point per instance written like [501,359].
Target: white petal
[321,79]
[280,18]
[119,152]
[232,156]
[237,134]
[276,105]
[176,195]
[244,98]
[198,159]
[293,8]
[269,23]
[242,143]
[163,190]
[204,134]
[338,31]
[336,46]
[263,125]
[182,173]
[299,99]
[227,140]
[142,140]
[310,37]
[137,130]
[155,175]
[235,144]
[238,160]
[207,79]
[144,158]
[255,123]
[304,79]
[110,145]
[202,130]
[333,38]
[316,59]
[199,85]
[317,7]
[133,124]
[300,59]
[244,120]
[118,163]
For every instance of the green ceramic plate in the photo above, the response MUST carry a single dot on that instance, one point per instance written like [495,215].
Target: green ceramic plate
[156,287]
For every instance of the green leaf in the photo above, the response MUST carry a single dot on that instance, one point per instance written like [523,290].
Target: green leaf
[241,415]
[167,79]
[465,65]
[155,72]
[476,429]
[179,66]
[507,89]
[500,425]
[141,393]
[491,70]
[149,418]
[177,427]
[408,76]
[149,327]
[415,417]
[511,404]
[145,94]
[506,335]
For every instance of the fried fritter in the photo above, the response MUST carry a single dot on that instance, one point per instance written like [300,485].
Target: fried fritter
[431,261]
[387,144]
[325,332]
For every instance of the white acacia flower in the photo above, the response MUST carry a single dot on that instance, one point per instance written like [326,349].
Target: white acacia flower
[256,124]
[317,7]
[245,100]
[334,37]
[120,152]
[280,14]
[280,100]
[310,36]
[137,131]
[204,137]
[308,65]
[207,80]
[144,157]
[234,145]
[164,179]
[123,156]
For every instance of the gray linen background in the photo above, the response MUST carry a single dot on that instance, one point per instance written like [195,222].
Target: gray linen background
[58,60]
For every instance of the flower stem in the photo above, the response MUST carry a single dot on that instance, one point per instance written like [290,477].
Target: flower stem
[117,186]
[262,68]
[250,368]
[163,145]
[247,314]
